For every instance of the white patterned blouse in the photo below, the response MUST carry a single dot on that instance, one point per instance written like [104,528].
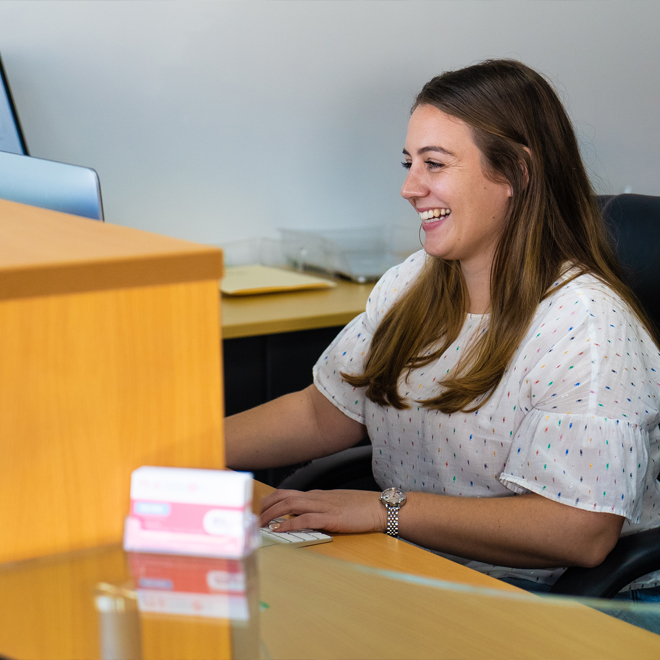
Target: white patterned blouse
[574,418]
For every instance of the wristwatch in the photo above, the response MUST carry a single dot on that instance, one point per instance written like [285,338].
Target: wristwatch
[393,499]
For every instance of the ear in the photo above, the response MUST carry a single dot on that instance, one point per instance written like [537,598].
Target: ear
[523,166]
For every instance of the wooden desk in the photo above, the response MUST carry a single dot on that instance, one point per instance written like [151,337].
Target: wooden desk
[425,623]
[384,552]
[267,314]
[272,341]
[307,606]
[336,610]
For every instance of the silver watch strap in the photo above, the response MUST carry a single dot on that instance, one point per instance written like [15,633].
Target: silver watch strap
[393,520]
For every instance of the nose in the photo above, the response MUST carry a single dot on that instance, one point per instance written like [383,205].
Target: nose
[413,187]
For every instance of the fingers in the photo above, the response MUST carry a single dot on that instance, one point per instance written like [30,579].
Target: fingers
[276,496]
[345,511]
[287,502]
[303,521]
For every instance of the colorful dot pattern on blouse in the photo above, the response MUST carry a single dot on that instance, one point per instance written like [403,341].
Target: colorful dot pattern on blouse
[574,418]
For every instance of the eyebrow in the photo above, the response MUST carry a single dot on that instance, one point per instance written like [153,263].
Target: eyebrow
[424,150]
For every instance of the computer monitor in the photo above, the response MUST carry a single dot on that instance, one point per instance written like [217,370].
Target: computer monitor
[11,135]
[50,185]
[44,183]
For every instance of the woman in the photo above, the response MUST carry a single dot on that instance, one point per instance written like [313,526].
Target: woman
[504,374]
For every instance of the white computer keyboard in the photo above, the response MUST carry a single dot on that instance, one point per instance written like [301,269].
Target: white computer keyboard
[300,538]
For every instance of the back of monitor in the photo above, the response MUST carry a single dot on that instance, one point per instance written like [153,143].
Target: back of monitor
[50,185]
[11,135]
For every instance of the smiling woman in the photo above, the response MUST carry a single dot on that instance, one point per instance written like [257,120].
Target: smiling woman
[497,140]
[501,373]
[462,209]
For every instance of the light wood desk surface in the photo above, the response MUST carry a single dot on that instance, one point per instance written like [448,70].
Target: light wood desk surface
[337,610]
[384,552]
[394,619]
[305,604]
[270,313]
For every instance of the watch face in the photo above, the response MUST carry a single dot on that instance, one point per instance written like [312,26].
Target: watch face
[393,496]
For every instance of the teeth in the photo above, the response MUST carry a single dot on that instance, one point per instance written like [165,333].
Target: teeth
[434,213]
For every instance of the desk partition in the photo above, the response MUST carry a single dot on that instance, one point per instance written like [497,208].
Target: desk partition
[109,359]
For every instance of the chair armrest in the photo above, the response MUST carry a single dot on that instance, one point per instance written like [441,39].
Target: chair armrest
[633,556]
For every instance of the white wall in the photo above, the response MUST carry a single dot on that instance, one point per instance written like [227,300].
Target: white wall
[218,121]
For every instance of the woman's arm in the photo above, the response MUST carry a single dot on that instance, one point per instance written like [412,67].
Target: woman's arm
[525,531]
[295,428]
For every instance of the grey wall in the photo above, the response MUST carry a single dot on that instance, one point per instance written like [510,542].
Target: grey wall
[217,121]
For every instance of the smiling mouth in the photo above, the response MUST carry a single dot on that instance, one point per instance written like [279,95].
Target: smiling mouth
[433,214]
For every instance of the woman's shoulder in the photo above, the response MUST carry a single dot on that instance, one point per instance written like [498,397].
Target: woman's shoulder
[408,269]
[583,299]
[588,292]
[394,283]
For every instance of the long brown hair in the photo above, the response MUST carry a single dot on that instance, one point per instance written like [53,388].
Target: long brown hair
[525,138]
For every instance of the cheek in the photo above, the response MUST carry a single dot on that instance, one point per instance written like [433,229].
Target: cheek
[494,203]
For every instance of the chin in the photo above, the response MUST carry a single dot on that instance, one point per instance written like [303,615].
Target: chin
[434,251]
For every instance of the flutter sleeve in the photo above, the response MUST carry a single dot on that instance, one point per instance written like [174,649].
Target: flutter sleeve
[590,399]
[350,349]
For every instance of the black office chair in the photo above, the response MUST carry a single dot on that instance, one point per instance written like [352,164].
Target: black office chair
[634,224]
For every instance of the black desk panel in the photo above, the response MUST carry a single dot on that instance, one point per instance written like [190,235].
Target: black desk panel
[259,369]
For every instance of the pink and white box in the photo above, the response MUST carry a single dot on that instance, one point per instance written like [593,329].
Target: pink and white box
[186,511]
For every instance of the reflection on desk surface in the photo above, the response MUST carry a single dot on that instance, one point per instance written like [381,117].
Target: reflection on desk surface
[300,605]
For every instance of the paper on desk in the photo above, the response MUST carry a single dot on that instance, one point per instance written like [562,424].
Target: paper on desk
[250,280]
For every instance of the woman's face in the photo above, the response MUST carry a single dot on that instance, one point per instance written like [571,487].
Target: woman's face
[462,211]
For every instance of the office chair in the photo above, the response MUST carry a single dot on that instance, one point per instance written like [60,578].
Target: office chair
[634,225]
[50,185]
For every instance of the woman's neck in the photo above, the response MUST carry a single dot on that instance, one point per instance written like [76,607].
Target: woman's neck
[477,279]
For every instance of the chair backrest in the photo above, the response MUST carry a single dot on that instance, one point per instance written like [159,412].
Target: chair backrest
[50,185]
[634,224]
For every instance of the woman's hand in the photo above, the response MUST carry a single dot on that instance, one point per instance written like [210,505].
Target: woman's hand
[525,531]
[347,511]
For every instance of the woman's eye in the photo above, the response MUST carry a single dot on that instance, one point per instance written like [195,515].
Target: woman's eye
[432,165]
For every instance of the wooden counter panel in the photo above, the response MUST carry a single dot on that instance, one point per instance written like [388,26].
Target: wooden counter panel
[93,386]
[47,253]
[47,607]
[47,612]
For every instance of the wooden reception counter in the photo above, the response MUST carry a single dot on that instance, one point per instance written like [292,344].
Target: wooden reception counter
[109,359]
